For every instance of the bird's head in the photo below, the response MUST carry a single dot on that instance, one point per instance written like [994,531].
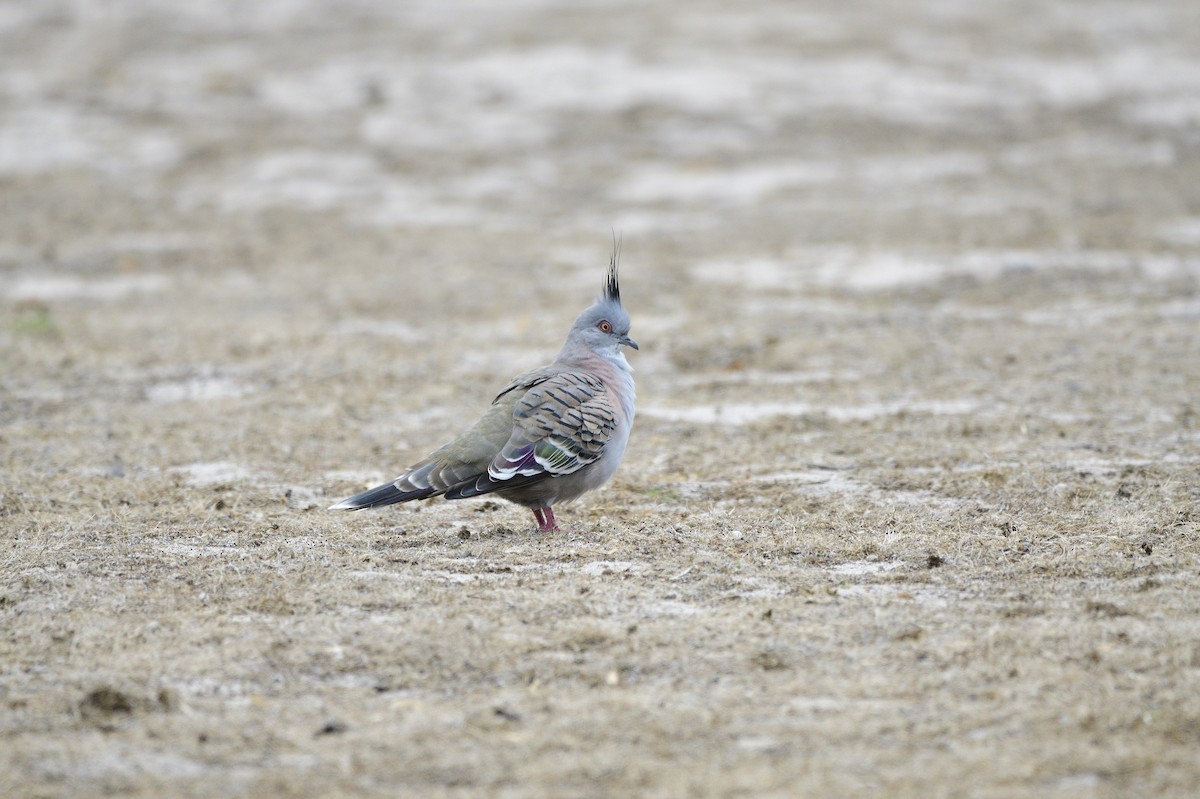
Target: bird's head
[604,326]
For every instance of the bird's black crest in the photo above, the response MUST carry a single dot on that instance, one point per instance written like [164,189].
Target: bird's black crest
[612,289]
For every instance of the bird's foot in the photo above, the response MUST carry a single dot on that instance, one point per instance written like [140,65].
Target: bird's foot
[545,520]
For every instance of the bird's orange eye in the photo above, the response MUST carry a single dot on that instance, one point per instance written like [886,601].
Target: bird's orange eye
[605,326]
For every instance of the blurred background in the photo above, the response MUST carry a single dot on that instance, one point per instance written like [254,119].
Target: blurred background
[240,203]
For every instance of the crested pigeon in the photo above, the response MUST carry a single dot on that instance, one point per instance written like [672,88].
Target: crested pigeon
[551,435]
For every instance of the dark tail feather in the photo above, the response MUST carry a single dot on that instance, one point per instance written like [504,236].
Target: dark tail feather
[386,494]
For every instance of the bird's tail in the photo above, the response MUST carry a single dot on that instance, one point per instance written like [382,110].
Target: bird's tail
[386,494]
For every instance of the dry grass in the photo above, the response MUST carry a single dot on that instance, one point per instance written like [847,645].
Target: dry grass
[904,603]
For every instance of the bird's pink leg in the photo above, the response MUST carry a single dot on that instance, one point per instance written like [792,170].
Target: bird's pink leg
[537,514]
[548,524]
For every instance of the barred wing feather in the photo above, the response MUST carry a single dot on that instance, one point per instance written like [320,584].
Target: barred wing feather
[560,425]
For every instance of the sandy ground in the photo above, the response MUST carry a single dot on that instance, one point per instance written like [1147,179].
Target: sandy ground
[912,503]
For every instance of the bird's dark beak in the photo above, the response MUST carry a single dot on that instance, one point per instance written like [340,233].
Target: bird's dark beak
[628,342]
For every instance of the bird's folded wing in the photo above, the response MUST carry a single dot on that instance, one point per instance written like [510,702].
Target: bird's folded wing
[464,458]
[527,380]
[560,425]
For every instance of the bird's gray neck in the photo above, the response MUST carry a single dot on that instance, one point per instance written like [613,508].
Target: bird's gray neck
[620,373]
[592,360]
